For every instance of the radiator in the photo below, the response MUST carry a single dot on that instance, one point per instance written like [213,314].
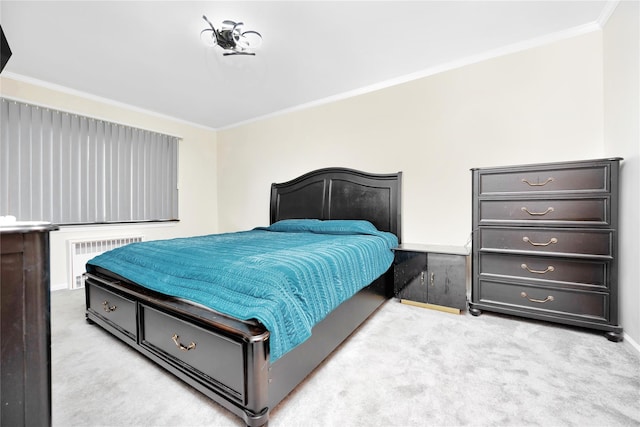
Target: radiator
[82,250]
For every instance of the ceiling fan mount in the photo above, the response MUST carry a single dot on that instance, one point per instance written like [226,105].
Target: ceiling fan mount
[231,38]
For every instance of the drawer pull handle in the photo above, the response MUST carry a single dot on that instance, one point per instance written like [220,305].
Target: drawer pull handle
[432,279]
[549,269]
[182,347]
[541,184]
[541,301]
[108,308]
[549,209]
[553,240]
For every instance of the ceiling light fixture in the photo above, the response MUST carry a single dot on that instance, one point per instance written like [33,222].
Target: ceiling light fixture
[231,38]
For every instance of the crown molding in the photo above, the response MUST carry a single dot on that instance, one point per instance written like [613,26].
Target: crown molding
[91,97]
[607,11]
[487,55]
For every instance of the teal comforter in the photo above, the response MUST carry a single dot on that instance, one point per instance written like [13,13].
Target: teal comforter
[288,276]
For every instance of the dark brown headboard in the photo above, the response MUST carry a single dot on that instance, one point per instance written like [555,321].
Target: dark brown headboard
[339,193]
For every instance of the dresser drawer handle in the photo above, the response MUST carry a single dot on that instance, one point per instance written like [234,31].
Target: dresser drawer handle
[541,301]
[182,347]
[108,308]
[553,240]
[549,269]
[549,209]
[541,184]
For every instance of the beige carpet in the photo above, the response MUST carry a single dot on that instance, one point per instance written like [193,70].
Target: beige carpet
[407,366]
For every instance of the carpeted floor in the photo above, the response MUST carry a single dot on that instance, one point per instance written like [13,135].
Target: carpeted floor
[407,366]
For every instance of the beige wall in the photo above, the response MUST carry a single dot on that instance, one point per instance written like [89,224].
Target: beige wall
[542,104]
[621,44]
[197,169]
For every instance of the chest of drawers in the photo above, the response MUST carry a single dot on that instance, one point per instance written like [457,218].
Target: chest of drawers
[545,243]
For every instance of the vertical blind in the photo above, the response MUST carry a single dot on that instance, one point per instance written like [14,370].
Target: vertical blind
[69,169]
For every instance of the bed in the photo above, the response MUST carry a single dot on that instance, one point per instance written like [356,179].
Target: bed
[229,359]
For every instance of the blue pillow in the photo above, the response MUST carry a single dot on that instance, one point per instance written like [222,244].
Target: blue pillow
[332,226]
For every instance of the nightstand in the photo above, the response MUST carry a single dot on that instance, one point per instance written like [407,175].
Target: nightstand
[432,276]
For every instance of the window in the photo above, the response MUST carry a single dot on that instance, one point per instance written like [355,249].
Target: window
[69,169]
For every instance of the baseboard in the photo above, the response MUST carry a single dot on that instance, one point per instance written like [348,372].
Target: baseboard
[431,306]
[59,287]
[631,341]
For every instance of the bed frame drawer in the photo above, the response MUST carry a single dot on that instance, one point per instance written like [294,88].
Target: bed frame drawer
[116,310]
[194,348]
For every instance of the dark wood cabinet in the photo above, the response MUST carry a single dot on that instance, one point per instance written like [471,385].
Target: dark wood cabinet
[545,243]
[431,276]
[25,332]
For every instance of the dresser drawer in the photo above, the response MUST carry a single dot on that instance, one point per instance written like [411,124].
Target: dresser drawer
[186,344]
[117,310]
[565,302]
[570,272]
[580,242]
[584,212]
[557,180]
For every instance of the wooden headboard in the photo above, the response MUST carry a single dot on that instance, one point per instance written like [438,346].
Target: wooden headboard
[340,193]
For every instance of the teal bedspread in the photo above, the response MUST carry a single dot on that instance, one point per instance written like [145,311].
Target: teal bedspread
[288,276]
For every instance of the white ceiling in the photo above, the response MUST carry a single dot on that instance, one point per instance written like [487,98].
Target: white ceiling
[148,54]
